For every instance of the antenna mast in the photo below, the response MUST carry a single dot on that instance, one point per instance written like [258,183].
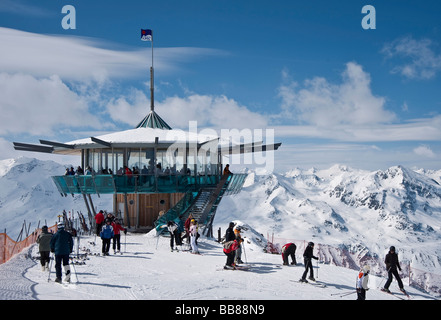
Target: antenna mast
[147,35]
[152,104]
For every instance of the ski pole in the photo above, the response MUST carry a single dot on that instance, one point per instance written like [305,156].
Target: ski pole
[343,294]
[382,278]
[317,269]
[50,266]
[244,253]
[73,266]
[347,294]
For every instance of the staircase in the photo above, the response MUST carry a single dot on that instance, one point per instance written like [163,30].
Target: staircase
[200,204]
[203,205]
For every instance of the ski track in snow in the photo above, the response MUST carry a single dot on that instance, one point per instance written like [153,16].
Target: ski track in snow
[14,284]
[149,271]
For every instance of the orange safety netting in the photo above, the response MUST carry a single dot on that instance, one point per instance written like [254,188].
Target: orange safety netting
[9,247]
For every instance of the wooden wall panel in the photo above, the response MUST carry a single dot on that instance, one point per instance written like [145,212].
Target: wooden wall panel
[149,206]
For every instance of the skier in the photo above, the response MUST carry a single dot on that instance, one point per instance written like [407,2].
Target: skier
[289,249]
[229,249]
[193,234]
[362,282]
[392,264]
[238,257]
[187,226]
[99,219]
[227,171]
[117,228]
[174,234]
[44,246]
[106,235]
[307,256]
[62,245]
[229,234]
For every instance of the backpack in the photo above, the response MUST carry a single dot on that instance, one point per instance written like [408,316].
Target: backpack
[228,244]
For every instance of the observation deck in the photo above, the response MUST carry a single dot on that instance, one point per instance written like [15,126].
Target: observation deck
[141,183]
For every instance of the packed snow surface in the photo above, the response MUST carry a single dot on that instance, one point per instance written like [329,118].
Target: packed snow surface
[354,215]
[147,269]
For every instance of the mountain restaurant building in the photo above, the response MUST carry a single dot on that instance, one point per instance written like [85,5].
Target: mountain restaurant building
[155,173]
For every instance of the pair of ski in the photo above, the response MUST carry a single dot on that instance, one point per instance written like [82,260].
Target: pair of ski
[314,283]
[397,295]
[107,254]
[180,250]
[66,282]
[243,267]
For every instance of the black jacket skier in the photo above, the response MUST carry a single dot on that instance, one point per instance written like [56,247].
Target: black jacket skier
[229,234]
[391,260]
[392,264]
[307,256]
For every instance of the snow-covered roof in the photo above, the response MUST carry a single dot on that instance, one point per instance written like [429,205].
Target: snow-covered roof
[145,136]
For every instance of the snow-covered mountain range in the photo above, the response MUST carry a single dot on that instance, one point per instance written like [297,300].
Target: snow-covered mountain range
[27,193]
[355,215]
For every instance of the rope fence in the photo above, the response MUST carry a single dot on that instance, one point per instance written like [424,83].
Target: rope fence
[9,247]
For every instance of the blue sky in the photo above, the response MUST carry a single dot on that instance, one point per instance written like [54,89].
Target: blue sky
[332,91]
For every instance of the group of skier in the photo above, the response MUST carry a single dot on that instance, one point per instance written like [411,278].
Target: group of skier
[391,261]
[108,228]
[191,234]
[233,246]
[61,244]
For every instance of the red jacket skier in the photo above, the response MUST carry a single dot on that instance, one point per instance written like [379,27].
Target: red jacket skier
[229,249]
[289,249]
[117,227]
[99,219]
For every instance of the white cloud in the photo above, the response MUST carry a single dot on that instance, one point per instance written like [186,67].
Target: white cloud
[49,82]
[347,111]
[424,151]
[130,109]
[81,59]
[428,129]
[217,112]
[421,61]
[324,104]
[39,106]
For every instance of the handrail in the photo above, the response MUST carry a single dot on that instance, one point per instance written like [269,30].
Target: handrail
[135,183]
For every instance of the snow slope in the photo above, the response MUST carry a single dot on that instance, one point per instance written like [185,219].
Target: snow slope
[27,193]
[357,211]
[354,215]
[147,269]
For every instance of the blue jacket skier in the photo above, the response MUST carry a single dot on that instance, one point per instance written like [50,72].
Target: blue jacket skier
[106,235]
[62,245]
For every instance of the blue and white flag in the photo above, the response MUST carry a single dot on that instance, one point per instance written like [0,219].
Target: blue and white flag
[146,35]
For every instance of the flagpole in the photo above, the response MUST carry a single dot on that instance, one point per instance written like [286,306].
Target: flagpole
[152,106]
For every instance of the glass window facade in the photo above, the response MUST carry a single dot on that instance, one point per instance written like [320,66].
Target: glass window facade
[154,160]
